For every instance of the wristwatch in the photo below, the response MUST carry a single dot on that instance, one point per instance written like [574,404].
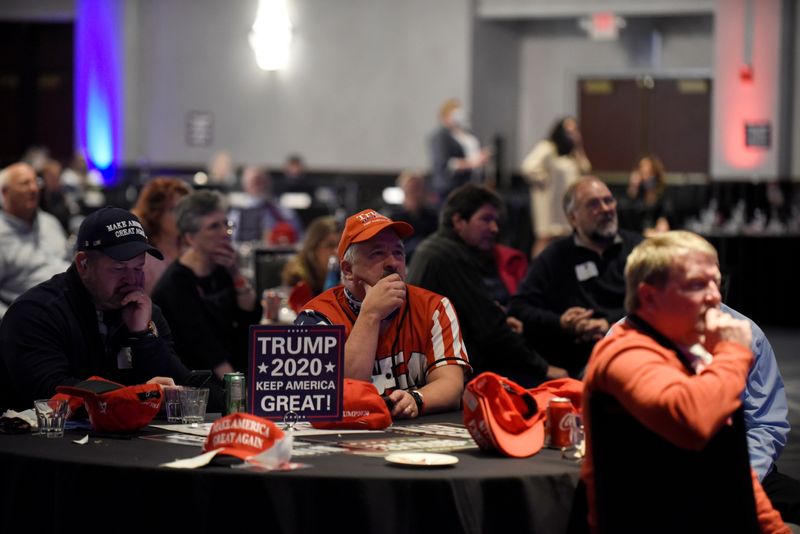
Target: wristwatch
[150,333]
[418,398]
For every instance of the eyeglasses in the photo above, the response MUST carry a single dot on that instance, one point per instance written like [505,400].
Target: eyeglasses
[595,203]
[216,226]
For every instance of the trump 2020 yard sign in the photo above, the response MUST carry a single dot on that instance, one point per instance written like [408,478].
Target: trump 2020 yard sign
[296,369]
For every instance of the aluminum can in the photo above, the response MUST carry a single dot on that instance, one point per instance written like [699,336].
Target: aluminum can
[559,414]
[235,393]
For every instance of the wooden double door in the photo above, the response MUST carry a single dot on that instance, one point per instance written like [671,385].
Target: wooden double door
[624,118]
[36,89]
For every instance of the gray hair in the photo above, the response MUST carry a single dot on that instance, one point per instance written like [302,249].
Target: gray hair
[350,254]
[191,208]
[568,202]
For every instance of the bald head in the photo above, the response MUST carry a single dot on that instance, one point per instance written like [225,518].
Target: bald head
[256,181]
[20,191]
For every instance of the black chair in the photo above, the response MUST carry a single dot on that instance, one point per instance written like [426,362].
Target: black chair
[268,265]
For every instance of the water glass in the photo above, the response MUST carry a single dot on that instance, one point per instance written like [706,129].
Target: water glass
[51,414]
[193,404]
[172,403]
[577,435]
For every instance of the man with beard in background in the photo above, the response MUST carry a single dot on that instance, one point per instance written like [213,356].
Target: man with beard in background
[575,288]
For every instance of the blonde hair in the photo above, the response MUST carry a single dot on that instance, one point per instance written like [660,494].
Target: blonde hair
[303,266]
[408,175]
[653,260]
[449,105]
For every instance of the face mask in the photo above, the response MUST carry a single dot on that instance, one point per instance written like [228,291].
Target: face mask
[458,117]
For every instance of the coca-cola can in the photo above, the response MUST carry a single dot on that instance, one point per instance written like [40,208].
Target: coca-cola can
[559,412]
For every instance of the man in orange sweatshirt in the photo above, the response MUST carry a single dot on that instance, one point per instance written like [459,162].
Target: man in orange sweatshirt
[666,444]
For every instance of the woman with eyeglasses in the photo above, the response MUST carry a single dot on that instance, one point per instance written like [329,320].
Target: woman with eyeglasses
[208,304]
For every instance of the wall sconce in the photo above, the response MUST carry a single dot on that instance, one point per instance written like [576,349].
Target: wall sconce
[271,35]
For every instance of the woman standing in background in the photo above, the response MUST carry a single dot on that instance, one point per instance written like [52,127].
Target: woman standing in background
[552,165]
[456,154]
[646,188]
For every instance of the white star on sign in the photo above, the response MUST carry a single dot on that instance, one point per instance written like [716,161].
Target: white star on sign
[329,367]
[262,368]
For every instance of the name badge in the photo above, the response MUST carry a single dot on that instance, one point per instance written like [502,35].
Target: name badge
[586,270]
[125,358]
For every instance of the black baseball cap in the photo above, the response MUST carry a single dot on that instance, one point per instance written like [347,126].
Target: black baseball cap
[115,232]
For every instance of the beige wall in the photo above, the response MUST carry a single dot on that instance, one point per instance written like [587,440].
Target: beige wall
[368,76]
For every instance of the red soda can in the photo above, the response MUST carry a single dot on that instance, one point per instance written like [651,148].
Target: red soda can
[559,410]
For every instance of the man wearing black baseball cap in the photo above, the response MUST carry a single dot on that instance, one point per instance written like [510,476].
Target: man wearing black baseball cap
[93,319]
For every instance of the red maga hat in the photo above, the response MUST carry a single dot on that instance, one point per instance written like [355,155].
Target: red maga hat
[242,435]
[113,407]
[364,408]
[501,415]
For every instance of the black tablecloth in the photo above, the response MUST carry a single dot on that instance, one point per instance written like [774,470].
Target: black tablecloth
[117,485]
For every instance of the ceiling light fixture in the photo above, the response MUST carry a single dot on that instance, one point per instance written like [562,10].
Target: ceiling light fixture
[271,35]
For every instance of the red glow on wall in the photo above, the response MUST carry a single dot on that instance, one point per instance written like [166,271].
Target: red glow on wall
[746,86]
[743,105]
[747,95]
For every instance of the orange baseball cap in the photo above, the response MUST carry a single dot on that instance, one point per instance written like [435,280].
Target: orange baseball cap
[570,388]
[501,415]
[366,224]
[364,408]
[242,435]
[113,407]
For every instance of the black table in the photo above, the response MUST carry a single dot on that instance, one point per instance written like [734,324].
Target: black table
[117,485]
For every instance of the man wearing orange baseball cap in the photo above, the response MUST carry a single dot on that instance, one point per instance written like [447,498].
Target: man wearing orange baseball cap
[402,338]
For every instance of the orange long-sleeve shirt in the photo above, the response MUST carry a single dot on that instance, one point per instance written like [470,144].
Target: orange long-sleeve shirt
[652,384]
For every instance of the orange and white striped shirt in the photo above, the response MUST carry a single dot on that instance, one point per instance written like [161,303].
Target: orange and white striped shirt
[423,334]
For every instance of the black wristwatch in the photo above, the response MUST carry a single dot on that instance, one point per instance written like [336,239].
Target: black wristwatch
[418,398]
[150,333]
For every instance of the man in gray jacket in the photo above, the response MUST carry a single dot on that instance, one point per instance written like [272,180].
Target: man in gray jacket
[33,246]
